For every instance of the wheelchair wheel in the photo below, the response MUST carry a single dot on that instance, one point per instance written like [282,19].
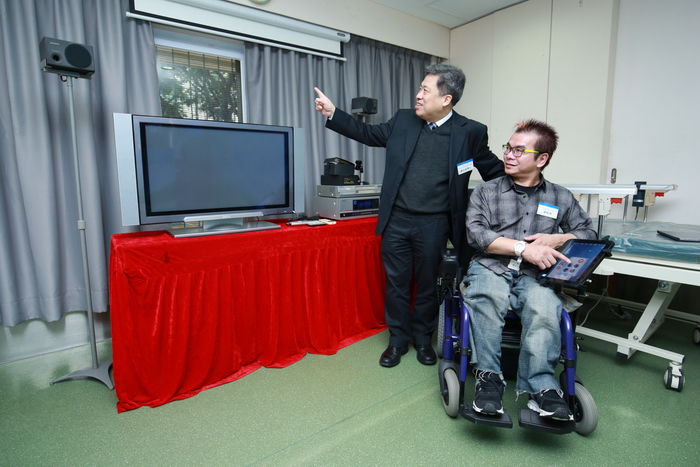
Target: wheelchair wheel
[440,329]
[450,398]
[585,411]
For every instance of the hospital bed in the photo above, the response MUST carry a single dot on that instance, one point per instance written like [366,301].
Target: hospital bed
[640,251]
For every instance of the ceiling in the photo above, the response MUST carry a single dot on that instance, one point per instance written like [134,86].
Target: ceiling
[449,13]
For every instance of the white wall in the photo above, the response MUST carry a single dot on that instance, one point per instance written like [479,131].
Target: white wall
[368,19]
[545,60]
[655,109]
[618,79]
[582,52]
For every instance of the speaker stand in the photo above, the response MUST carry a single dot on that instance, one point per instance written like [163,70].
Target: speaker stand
[98,371]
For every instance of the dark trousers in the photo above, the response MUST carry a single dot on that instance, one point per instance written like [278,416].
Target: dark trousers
[412,247]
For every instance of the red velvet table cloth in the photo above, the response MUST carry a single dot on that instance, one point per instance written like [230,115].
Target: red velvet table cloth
[189,314]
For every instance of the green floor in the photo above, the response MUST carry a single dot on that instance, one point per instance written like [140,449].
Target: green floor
[346,410]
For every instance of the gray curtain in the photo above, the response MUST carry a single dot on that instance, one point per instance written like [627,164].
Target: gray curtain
[280,92]
[41,273]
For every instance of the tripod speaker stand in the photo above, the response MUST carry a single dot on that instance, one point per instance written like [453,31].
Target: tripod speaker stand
[98,371]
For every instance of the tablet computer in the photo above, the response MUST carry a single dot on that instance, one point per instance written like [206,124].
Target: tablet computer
[585,256]
[680,235]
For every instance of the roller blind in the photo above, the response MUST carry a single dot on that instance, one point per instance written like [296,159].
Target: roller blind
[242,22]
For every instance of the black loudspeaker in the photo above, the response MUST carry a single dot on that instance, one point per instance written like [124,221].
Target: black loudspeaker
[69,58]
[364,105]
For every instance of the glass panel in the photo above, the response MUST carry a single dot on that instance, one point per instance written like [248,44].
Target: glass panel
[199,86]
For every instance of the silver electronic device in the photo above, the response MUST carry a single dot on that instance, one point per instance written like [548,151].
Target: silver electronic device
[347,201]
[348,191]
[346,208]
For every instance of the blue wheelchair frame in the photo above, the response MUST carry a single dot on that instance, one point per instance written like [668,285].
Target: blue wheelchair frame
[453,369]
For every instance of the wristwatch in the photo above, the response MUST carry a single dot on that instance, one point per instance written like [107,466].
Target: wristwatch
[518,248]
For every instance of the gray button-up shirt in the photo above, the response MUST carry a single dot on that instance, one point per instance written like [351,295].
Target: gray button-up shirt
[497,209]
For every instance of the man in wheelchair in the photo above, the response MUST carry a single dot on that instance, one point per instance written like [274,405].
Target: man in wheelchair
[516,223]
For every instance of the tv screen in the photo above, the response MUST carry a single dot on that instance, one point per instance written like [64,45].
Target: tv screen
[216,173]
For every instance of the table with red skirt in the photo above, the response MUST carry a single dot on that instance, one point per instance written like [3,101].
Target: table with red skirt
[189,314]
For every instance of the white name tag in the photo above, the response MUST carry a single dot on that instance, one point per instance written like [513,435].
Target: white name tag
[547,210]
[514,264]
[466,166]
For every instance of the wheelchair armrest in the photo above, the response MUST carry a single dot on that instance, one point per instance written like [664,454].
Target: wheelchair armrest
[450,274]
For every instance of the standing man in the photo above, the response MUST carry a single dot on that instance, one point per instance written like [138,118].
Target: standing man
[430,153]
[516,223]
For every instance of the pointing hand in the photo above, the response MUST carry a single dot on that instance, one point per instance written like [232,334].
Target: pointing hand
[323,104]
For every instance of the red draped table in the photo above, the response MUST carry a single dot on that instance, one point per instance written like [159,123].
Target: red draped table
[189,314]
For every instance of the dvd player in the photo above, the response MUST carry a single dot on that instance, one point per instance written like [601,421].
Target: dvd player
[348,191]
[346,208]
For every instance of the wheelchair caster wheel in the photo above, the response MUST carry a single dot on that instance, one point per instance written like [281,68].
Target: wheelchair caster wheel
[585,411]
[450,396]
[674,378]
[696,335]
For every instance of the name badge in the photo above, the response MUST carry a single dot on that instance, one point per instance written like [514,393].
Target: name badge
[514,264]
[466,166]
[547,210]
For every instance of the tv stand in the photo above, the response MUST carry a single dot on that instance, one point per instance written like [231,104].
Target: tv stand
[188,315]
[221,227]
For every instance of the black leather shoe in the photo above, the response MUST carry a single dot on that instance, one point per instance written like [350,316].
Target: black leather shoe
[392,356]
[426,354]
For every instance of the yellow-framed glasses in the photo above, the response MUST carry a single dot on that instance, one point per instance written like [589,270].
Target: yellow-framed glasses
[517,152]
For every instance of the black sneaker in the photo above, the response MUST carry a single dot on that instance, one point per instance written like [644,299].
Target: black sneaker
[489,393]
[550,404]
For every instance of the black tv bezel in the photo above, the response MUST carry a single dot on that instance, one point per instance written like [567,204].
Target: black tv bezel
[147,217]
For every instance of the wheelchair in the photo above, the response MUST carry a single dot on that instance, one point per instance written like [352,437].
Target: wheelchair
[454,353]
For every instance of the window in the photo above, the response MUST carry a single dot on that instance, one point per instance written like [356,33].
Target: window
[200,77]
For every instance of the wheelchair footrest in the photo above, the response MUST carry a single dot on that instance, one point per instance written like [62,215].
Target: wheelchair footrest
[531,419]
[502,421]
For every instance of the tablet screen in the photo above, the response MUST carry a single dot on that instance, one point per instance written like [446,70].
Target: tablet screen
[585,255]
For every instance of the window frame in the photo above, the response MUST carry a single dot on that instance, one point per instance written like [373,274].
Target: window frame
[192,41]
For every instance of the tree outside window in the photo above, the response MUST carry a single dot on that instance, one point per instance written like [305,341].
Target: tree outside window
[199,86]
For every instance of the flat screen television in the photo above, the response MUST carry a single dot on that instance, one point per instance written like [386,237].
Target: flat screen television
[222,177]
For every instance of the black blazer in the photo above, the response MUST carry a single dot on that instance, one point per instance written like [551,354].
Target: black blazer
[469,140]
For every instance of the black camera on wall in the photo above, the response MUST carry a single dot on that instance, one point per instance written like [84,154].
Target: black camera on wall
[364,106]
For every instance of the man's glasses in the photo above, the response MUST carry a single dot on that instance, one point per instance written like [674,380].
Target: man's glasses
[517,152]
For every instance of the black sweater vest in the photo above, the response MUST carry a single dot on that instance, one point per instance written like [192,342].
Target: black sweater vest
[425,185]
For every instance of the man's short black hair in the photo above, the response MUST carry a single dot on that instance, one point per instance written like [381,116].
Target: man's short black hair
[450,80]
